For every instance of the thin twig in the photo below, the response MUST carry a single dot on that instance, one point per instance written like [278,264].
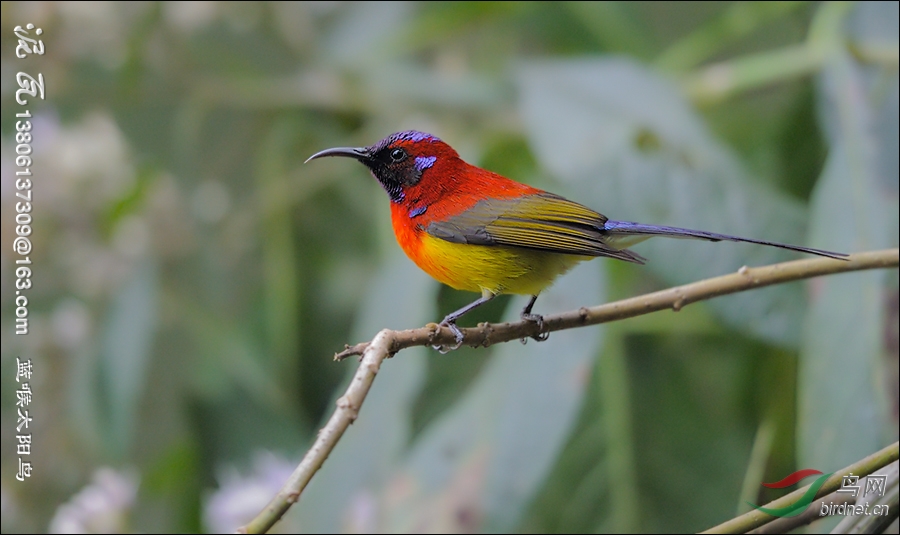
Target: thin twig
[812,513]
[386,343]
[349,351]
[756,518]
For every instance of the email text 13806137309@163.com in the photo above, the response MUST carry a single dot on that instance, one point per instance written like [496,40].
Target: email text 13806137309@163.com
[29,44]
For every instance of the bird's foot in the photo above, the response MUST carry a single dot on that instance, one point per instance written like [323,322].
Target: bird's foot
[444,349]
[542,335]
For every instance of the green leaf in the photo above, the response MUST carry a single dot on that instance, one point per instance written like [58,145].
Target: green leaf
[693,426]
[630,146]
[125,354]
[844,410]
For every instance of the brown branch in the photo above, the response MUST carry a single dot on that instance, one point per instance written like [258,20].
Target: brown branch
[386,343]
[673,298]
[347,410]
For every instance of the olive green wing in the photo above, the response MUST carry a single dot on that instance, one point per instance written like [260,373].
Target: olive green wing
[542,221]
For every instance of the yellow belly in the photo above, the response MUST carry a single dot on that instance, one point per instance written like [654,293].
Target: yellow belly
[498,270]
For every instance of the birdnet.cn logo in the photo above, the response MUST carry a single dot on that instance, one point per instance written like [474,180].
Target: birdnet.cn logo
[874,485]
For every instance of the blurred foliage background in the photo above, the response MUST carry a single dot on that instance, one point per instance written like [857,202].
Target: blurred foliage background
[192,278]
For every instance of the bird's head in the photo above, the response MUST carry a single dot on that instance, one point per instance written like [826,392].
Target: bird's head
[399,161]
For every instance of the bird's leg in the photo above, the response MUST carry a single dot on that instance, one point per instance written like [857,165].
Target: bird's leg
[450,319]
[536,318]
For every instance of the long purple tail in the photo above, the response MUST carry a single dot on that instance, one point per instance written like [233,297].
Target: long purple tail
[622,229]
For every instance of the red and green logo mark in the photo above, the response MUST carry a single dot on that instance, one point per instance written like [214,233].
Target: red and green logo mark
[800,505]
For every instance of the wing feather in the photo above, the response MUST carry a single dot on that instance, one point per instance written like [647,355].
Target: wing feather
[542,221]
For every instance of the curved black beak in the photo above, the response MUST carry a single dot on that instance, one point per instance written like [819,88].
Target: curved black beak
[358,153]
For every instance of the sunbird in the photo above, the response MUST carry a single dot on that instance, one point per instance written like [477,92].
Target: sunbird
[478,231]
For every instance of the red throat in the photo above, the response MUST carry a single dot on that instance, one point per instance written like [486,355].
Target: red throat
[450,186]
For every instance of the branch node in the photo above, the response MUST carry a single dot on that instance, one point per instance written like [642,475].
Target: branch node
[487,330]
[583,314]
[344,403]
[435,330]
[349,351]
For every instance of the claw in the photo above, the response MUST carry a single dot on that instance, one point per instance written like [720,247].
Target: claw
[442,349]
[536,318]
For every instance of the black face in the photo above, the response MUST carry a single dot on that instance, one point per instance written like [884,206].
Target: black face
[393,168]
[390,161]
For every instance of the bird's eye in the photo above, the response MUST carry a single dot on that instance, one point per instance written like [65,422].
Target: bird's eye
[398,155]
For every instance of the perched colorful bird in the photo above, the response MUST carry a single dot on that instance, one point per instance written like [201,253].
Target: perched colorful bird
[478,231]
